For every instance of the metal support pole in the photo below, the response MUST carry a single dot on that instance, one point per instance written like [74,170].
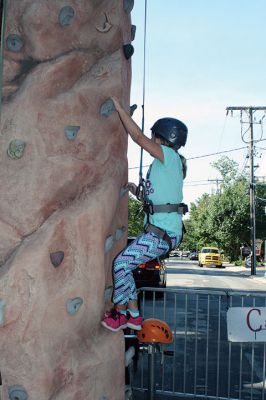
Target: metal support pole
[252,196]
[252,185]
[151,363]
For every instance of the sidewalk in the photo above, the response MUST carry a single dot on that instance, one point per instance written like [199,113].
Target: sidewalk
[246,272]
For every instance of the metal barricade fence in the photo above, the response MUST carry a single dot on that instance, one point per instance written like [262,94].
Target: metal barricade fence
[201,362]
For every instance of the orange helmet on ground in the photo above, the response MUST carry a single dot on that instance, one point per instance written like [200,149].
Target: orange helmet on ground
[155,331]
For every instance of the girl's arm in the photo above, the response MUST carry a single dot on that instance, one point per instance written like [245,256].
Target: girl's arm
[136,134]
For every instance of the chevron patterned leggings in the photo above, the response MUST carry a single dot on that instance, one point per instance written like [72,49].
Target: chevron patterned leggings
[144,248]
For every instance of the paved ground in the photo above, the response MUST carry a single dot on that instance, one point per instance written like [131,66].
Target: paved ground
[185,273]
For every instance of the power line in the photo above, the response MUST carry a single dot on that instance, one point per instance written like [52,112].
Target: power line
[205,155]
[219,152]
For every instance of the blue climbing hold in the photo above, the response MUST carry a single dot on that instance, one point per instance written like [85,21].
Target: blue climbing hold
[123,191]
[109,242]
[120,232]
[2,305]
[73,305]
[66,15]
[71,131]
[108,293]
[107,108]
[14,42]
[17,392]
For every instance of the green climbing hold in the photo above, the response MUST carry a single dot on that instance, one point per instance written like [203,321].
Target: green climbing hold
[16,149]
[128,50]
[128,6]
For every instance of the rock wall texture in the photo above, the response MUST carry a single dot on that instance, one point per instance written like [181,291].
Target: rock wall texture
[63,208]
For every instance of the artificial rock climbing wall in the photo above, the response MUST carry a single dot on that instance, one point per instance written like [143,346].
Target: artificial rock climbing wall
[63,208]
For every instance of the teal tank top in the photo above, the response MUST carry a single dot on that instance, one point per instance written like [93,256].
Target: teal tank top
[164,184]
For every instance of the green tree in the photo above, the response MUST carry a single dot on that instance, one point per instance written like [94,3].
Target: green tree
[135,217]
[222,219]
[261,211]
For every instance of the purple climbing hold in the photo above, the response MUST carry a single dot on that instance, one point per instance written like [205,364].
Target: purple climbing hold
[56,258]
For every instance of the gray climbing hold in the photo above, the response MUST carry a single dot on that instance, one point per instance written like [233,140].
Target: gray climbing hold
[109,242]
[16,149]
[132,109]
[17,392]
[56,258]
[108,293]
[14,43]
[2,304]
[73,305]
[71,131]
[128,50]
[107,108]
[128,6]
[120,232]
[123,191]
[133,32]
[66,15]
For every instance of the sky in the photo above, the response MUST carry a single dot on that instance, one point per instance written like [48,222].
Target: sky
[201,57]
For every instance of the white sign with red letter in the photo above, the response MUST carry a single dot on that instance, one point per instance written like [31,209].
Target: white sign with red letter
[246,324]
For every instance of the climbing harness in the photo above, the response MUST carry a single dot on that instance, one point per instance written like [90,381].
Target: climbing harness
[150,208]
[162,234]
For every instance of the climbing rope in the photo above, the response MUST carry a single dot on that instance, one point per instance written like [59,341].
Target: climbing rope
[140,190]
[2,50]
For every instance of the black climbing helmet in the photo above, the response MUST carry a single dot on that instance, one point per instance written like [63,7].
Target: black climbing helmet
[172,130]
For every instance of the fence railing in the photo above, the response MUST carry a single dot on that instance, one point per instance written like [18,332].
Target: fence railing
[201,362]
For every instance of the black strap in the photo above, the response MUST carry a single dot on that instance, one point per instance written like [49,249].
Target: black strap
[150,208]
[159,232]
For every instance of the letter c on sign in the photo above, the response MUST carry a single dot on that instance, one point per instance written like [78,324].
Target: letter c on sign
[248,320]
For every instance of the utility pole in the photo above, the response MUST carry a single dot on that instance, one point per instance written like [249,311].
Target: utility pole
[217,181]
[250,111]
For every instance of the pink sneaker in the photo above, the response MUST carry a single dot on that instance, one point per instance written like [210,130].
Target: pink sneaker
[134,323]
[114,320]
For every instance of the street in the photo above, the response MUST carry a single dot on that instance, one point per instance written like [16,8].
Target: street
[186,273]
[203,361]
